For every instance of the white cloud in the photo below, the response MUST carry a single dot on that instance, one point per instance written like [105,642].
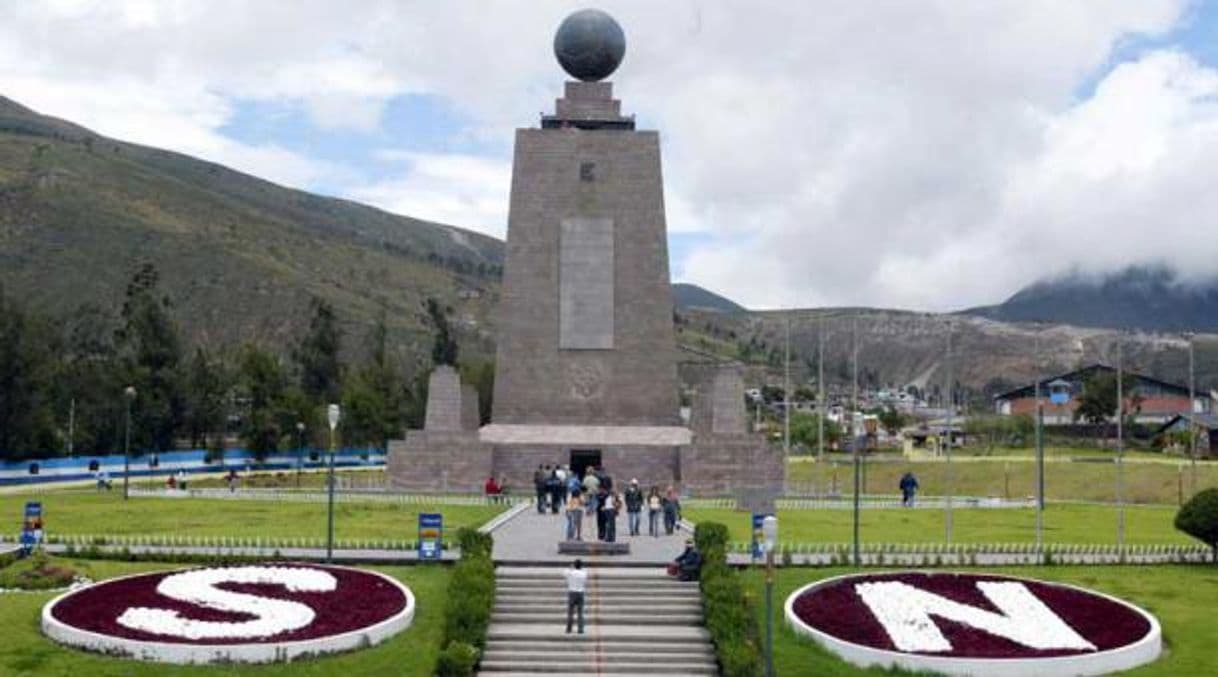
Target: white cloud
[927,155]
[465,190]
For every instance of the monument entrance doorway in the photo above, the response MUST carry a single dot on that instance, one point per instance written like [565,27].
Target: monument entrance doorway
[584,459]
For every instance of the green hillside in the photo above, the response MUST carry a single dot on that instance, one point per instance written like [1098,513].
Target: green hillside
[239,256]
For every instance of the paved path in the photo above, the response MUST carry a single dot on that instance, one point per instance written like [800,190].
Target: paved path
[361,556]
[529,538]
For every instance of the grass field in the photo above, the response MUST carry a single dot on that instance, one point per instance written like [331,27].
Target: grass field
[1067,477]
[85,511]
[1063,524]
[1182,597]
[24,650]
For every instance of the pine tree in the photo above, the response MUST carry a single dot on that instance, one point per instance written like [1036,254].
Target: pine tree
[317,355]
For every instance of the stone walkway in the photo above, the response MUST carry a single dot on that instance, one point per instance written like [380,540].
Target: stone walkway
[530,538]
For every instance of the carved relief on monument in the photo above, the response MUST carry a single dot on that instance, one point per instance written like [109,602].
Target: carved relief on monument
[586,379]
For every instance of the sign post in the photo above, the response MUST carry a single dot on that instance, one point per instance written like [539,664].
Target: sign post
[431,535]
[31,528]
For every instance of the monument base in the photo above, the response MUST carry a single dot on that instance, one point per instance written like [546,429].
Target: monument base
[439,462]
[721,465]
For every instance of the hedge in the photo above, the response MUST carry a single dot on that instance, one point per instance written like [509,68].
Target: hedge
[471,597]
[729,609]
[1199,518]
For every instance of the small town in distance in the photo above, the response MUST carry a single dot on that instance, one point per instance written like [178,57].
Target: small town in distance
[542,340]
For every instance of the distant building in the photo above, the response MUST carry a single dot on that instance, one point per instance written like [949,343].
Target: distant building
[1206,426]
[1149,400]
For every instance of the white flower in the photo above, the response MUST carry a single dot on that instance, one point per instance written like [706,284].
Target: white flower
[905,612]
[272,616]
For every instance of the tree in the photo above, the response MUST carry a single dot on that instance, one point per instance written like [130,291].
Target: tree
[317,354]
[26,371]
[92,378]
[892,420]
[207,386]
[444,346]
[1098,401]
[150,350]
[1199,518]
[804,431]
[263,384]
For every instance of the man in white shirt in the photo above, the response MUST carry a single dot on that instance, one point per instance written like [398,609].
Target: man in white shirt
[577,584]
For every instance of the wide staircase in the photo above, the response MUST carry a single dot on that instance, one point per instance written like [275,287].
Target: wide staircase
[637,622]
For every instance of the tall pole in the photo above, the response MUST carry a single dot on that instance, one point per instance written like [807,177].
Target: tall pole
[769,612]
[786,392]
[1192,410]
[129,395]
[951,403]
[1120,457]
[1040,450]
[854,432]
[820,390]
[300,428]
[333,414]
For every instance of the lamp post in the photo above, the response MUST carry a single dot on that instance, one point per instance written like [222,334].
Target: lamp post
[332,414]
[820,391]
[129,396]
[854,431]
[1192,411]
[769,528]
[300,428]
[786,392]
[1040,452]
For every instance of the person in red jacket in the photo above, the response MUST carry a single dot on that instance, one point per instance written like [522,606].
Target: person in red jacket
[492,488]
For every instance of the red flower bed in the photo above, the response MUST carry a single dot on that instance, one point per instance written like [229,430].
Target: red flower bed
[836,609]
[361,599]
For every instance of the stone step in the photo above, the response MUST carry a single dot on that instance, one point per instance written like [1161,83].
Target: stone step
[601,618]
[596,653]
[643,591]
[598,673]
[622,606]
[593,667]
[641,594]
[553,631]
[564,643]
[615,582]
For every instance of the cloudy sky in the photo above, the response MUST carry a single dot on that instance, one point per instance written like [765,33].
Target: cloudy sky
[924,155]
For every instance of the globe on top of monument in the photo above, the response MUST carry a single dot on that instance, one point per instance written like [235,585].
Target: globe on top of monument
[589,45]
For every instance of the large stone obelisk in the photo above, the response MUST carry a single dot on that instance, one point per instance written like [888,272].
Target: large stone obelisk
[586,364]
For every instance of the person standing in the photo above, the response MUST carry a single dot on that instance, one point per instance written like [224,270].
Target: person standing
[539,483]
[612,507]
[909,487]
[592,487]
[634,507]
[562,473]
[575,517]
[672,510]
[654,505]
[554,487]
[577,584]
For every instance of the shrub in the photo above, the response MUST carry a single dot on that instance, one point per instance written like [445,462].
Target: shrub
[471,597]
[730,611]
[1199,518]
[458,659]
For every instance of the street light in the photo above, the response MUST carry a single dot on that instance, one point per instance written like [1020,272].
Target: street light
[769,528]
[951,405]
[300,428]
[332,413]
[129,396]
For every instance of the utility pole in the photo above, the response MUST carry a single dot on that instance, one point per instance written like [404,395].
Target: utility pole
[951,402]
[1040,450]
[854,432]
[820,390]
[1192,411]
[1120,456]
[786,391]
[72,428]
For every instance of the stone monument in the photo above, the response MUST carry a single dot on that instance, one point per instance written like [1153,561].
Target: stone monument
[586,364]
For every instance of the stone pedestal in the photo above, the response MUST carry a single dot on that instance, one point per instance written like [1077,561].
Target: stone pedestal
[447,454]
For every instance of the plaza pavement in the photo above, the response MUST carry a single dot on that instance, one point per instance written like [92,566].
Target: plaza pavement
[530,538]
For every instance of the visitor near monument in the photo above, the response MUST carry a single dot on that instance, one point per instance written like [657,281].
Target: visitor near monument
[577,583]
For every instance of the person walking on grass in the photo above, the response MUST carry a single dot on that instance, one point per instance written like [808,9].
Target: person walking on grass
[575,517]
[634,507]
[654,506]
[909,487]
[577,583]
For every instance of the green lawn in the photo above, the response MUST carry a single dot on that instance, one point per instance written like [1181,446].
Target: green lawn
[24,651]
[1145,482]
[85,511]
[1063,524]
[1182,597]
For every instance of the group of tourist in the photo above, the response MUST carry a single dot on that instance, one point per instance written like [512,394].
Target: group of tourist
[595,496]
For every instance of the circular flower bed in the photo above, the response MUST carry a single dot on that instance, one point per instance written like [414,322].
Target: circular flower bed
[973,624]
[258,613]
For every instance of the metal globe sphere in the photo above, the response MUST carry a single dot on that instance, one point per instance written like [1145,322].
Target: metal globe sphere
[589,45]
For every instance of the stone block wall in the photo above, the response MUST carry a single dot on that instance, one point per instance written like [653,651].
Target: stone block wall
[439,462]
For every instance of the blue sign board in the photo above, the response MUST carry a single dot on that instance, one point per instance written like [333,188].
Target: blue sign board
[431,535]
[758,535]
[31,527]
